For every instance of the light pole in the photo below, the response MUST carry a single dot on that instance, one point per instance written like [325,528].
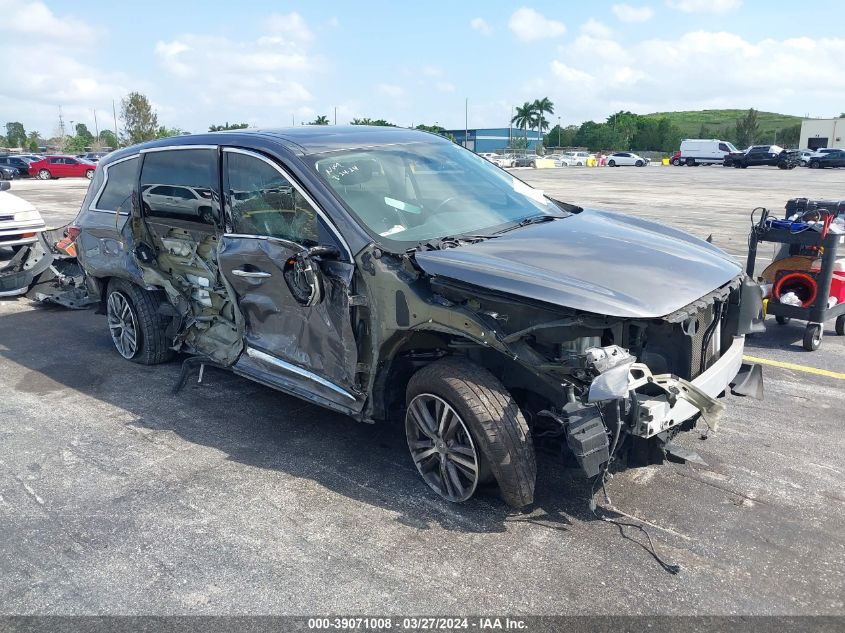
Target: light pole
[558,132]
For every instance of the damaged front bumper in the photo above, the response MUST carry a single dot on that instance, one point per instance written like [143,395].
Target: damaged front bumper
[628,399]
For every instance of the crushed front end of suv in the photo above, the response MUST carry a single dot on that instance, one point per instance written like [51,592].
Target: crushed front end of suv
[391,275]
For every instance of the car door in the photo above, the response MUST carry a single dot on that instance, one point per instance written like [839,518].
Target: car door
[291,272]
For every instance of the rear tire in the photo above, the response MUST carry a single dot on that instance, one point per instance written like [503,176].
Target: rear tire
[782,320]
[43,174]
[498,433]
[89,174]
[137,329]
[840,325]
[814,164]
[676,162]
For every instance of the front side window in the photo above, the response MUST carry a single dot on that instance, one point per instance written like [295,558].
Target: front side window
[423,191]
[120,182]
[194,171]
[262,201]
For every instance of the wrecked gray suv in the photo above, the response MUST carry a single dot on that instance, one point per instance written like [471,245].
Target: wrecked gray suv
[389,274]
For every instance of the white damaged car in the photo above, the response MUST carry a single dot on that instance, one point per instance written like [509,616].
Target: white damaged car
[20,222]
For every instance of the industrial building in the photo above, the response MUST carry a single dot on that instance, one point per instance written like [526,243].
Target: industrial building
[818,133]
[492,139]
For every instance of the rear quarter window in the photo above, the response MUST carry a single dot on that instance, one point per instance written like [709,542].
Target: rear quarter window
[121,178]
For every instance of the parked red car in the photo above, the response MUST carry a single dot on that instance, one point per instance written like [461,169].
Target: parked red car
[675,159]
[61,167]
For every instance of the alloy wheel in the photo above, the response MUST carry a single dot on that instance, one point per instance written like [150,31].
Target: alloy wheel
[123,324]
[442,447]
[44,174]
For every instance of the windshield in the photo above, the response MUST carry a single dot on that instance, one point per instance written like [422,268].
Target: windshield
[426,191]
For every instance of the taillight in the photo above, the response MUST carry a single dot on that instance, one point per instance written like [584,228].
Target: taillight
[66,244]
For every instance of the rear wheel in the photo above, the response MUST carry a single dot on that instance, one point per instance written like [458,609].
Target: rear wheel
[840,325]
[463,428]
[43,174]
[782,320]
[89,174]
[676,162]
[814,164]
[136,328]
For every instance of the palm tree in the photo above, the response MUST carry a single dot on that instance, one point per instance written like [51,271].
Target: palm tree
[320,120]
[524,117]
[541,107]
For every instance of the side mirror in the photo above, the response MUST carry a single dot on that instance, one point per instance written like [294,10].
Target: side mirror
[322,252]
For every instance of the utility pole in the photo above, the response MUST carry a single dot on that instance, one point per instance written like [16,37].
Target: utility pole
[466,123]
[558,132]
[96,128]
[62,128]
[335,115]
[114,114]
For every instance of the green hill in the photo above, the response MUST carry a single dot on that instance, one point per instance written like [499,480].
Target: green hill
[719,121]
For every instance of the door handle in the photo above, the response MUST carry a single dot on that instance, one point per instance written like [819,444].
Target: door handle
[255,274]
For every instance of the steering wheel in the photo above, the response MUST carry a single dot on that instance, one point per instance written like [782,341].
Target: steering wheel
[445,202]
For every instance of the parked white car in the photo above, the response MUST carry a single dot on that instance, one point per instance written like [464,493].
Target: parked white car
[497,159]
[560,160]
[620,159]
[20,222]
[578,159]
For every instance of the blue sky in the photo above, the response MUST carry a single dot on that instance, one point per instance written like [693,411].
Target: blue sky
[268,63]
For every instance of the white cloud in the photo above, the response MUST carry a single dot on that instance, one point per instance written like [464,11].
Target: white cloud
[32,91]
[481,25]
[391,90]
[431,71]
[594,28]
[709,70]
[263,79]
[445,86]
[36,19]
[704,6]
[529,25]
[290,26]
[627,13]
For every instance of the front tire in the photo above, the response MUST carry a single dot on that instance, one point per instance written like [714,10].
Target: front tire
[89,174]
[462,426]
[812,337]
[136,328]
[611,163]
[814,164]
[43,174]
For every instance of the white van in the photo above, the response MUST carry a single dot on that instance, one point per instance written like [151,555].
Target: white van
[704,151]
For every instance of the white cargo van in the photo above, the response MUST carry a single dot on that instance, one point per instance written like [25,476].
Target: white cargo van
[704,151]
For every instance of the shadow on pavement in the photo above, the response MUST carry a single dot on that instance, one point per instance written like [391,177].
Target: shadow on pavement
[261,427]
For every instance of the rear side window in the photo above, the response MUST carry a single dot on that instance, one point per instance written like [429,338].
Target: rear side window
[120,182]
[190,172]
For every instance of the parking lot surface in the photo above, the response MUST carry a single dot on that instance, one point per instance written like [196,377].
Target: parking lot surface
[118,497]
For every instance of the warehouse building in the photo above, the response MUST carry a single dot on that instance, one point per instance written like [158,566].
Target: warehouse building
[818,133]
[491,139]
